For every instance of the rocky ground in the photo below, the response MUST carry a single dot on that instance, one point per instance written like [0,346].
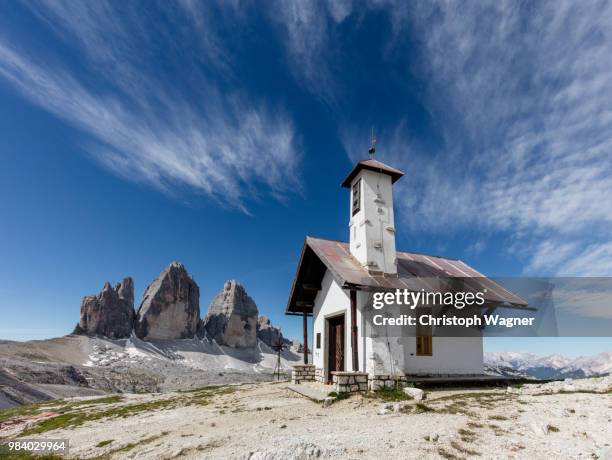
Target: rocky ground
[84,366]
[268,421]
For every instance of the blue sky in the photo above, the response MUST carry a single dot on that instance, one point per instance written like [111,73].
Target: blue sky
[137,133]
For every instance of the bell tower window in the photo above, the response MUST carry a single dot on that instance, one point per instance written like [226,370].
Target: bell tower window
[356,197]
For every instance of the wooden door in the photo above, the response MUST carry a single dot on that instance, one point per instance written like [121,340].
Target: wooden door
[335,357]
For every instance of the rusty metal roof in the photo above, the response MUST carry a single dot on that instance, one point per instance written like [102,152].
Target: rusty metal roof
[415,272]
[372,165]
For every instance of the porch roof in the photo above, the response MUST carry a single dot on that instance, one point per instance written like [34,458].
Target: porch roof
[415,272]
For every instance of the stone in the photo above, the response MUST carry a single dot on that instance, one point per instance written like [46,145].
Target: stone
[328,401]
[110,313]
[400,406]
[538,428]
[170,307]
[232,317]
[385,409]
[415,393]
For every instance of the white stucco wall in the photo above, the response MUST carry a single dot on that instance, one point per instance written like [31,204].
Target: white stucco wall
[451,355]
[388,355]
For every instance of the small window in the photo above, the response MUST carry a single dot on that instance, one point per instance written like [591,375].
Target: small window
[318,340]
[356,197]
[424,342]
[424,345]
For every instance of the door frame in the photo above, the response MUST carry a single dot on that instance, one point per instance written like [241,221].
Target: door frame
[336,318]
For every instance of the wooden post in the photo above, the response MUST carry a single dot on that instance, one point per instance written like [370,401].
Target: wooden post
[305,337]
[354,331]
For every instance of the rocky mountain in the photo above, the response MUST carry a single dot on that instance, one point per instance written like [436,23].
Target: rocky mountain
[548,367]
[269,334]
[164,346]
[170,307]
[110,313]
[232,317]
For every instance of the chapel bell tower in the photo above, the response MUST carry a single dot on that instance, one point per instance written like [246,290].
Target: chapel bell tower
[371,225]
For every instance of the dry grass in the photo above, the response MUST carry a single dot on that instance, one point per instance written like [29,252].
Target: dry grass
[475,425]
[77,413]
[467,435]
[55,406]
[464,450]
[130,446]
[447,455]
[389,395]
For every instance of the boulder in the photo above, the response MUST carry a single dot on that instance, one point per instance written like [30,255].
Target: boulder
[232,317]
[415,393]
[110,313]
[170,307]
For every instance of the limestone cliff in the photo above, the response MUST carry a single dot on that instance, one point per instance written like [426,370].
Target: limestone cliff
[232,317]
[110,313]
[170,307]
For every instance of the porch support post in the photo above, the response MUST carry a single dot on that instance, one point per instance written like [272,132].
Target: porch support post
[305,337]
[354,330]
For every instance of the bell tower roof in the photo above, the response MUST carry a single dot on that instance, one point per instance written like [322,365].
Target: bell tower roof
[372,165]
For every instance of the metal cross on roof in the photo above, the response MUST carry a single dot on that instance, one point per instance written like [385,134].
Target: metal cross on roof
[372,148]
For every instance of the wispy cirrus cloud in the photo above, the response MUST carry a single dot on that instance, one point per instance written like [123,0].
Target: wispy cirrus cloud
[305,29]
[527,88]
[521,96]
[169,126]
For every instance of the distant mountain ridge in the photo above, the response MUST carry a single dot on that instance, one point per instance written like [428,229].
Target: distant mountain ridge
[547,367]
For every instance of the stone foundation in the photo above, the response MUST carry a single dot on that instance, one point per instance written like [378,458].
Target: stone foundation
[380,381]
[348,382]
[303,373]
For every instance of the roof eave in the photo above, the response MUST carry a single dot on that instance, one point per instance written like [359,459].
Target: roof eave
[288,310]
[395,174]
